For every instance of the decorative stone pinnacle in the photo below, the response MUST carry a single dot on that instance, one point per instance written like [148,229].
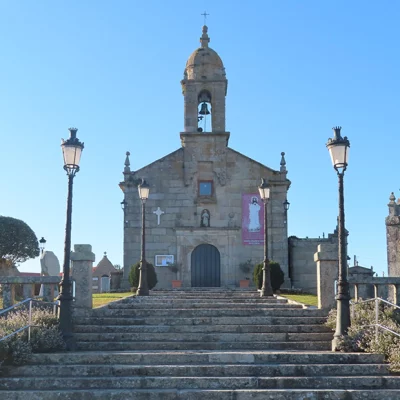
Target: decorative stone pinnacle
[127,168]
[283,162]
[392,198]
[204,40]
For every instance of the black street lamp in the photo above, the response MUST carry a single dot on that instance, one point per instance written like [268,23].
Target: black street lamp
[266,289]
[339,151]
[143,288]
[72,150]
[286,205]
[42,245]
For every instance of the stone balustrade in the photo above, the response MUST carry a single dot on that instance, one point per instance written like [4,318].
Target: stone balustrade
[385,287]
[9,284]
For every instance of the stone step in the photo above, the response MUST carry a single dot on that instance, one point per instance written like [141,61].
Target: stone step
[213,305]
[180,345]
[195,382]
[227,300]
[205,357]
[202,328]
[240,321]
[217,370]
[173,394]
[203,337]
[190,313]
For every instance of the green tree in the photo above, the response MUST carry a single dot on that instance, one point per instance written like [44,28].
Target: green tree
[277,275]
[151,275]
[18,242]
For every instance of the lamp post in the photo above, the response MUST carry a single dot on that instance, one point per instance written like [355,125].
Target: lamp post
[339,151]
[42,245]
[72,150]
[266,289]
[143,288]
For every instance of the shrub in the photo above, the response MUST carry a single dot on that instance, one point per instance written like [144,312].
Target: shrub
[277,275]
[361,335]
[45,336]
[45,340]
[151,275]
[246,266]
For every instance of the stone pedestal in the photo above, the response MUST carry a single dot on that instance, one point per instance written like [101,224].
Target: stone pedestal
[327,261]
[8,295]
[82,260]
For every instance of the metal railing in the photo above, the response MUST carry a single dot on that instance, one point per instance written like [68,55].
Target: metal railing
[377,325]
[30,300]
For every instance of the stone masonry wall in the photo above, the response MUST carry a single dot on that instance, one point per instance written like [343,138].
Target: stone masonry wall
[301,258]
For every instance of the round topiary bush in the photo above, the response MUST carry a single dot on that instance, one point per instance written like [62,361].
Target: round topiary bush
[277,275]
[151,275]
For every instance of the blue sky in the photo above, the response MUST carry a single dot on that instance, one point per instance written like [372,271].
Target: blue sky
[113,70]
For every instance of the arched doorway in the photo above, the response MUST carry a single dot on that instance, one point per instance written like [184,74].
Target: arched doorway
[205,266]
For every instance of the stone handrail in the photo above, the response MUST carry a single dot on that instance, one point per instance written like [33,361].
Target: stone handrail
[392,282]
[28,283]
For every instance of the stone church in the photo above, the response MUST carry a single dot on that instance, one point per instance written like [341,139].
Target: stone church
[204,214]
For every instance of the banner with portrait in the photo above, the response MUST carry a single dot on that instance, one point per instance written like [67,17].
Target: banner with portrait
[252,219]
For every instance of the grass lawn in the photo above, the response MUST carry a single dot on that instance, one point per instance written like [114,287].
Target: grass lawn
[308,299]
[99,299]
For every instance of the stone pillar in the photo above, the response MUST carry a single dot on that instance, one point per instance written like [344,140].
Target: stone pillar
[8,294]
[48,292]
[356,292]
[376,290]
[28,290]
[326,258]
[82,260]
[396,294]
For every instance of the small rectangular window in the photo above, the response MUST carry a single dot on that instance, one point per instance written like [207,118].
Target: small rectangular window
[205,188]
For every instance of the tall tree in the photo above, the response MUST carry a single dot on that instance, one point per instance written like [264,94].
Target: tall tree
[18,242]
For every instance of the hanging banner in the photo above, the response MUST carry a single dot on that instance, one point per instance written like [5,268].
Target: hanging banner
[252,219]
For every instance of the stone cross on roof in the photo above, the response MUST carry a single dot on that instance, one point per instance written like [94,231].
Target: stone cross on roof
[205,17]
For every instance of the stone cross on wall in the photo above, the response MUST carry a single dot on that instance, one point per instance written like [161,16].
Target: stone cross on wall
[158,212]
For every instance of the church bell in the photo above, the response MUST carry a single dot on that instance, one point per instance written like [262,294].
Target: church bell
[204,109]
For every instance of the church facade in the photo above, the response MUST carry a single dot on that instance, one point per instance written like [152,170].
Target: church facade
[204,216]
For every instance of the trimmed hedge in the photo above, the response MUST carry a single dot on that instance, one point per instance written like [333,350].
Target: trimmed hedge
[277,275]
[151,275]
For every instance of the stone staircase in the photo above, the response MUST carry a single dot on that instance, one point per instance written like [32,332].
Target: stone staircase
[202,344]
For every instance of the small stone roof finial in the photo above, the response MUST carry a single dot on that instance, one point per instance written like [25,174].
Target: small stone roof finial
[105,254]
[392,198]
[204,40]
[283,163]
[127,163]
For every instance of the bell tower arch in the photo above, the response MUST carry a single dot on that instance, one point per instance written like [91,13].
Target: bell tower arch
[204,87]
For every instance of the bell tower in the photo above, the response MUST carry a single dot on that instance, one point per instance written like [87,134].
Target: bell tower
[204,87]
